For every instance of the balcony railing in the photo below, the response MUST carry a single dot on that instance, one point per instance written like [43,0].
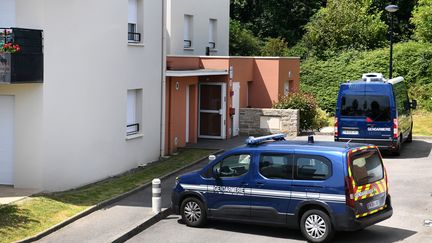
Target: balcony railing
[187,43]
[25,65]
[132,129]
[212,45]
[134,37]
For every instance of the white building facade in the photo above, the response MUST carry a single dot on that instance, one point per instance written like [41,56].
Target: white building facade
[194,25]
[98,111]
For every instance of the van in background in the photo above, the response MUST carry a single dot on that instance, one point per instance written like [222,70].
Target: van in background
[375,111]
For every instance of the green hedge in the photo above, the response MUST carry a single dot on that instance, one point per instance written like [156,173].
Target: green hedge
[412,60]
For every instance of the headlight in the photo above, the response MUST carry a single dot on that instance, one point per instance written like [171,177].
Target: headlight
[177,179]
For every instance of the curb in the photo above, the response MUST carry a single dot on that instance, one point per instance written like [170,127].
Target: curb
[422,137]
[143,226]
[110,201]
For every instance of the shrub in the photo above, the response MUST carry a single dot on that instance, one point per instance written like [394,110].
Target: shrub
[304,102]
[422,19]
[275,47]
[242,42]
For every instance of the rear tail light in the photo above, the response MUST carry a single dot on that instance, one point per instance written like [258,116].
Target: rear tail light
[368,119]
[336,132]
[349,192]
[395,128]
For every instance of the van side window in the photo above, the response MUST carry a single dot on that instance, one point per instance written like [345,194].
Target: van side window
[233,166]
[276,166]
[310,167]
[401,96]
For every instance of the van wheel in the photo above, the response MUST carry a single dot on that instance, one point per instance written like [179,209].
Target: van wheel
[409,138]
[398,149]
[193,212]
[316,226]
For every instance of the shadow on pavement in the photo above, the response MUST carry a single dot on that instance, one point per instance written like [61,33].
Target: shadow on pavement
[414,150]
[375,233]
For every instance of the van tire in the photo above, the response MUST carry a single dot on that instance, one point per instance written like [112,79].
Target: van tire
[312,217]
[193,212]
[409,138]
[398,149]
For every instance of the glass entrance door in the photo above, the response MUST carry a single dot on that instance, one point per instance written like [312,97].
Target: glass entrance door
[212,113]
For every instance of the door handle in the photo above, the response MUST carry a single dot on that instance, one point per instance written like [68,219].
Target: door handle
[260,184]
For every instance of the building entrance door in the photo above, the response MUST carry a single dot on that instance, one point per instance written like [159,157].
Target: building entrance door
[212,110]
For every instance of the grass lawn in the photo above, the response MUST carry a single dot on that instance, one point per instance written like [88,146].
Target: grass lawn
[37,213]
[422,123]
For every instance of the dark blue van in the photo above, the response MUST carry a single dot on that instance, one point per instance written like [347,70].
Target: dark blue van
[318,187]
[375,111]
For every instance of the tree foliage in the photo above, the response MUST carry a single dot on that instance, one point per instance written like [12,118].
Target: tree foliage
[274,47]
[275,18]
[422,19]
[242,42]
[402,27]
[344,25]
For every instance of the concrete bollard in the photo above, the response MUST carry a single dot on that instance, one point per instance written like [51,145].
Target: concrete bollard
[156,196]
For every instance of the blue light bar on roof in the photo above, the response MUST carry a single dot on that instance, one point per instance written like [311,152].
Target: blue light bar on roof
[258,140]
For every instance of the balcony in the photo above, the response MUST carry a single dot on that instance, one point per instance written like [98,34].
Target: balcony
[25,65]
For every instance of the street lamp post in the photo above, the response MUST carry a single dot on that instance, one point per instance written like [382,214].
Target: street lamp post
[391,9]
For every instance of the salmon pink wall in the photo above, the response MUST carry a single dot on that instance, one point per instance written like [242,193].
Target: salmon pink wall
[287,65]
[176,118]
[183,63]
[265,86]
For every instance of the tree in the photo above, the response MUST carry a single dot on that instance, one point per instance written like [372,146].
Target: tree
[275,18]
[242,42]
[275,47]
[422,20]
[402,28]
[344,25]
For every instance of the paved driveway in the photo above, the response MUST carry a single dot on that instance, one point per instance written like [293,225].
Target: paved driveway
[410,177]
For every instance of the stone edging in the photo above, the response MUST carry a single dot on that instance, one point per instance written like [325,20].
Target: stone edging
[108,202]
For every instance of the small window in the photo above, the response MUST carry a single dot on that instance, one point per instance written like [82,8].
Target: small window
[233,166]
[276,166]
[212,33]
[187,32]
[310,167]
[134,97]
[134,17]
[367,166]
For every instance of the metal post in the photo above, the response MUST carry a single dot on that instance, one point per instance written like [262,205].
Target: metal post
[391,48]
[156,196]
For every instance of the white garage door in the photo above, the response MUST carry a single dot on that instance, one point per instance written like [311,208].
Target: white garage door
[6,139]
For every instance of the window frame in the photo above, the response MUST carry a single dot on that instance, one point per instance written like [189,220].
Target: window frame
[312,156]
[291,159]
[188,31]
[137,115]
[137,21]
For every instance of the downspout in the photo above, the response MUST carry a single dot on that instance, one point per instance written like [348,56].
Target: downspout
[163,83]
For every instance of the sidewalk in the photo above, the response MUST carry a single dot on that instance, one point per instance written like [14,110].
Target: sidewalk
[113,221]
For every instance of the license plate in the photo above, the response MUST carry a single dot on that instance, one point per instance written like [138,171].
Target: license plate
[350,132]
[373,204]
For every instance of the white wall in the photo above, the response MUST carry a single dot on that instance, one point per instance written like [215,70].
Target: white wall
[88,68]
[202,11]
[7,13]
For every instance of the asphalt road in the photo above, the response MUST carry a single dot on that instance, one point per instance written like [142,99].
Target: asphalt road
[410,177]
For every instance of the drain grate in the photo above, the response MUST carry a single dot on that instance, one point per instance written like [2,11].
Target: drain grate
[428,223]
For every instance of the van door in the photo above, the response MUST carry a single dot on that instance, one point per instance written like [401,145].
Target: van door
[368,181]
[403,109]
[378,113]
[351,120]
[271,187]
[228,194]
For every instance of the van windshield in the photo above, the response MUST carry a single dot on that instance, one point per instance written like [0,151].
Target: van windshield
[366,166]
[376,107]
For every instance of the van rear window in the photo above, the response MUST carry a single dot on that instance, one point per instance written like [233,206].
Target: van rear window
[376,107]
[366,166]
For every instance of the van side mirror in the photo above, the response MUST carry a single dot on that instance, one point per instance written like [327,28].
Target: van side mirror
[413,104]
